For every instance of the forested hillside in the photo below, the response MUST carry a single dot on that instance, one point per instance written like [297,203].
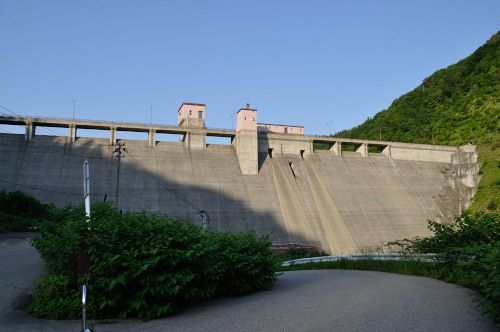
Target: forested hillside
[453,106]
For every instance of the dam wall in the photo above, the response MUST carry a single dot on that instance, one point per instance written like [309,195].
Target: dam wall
[341,201]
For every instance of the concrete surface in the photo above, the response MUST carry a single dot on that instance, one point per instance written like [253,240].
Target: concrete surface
[343,203]
[246,145]
[330,300]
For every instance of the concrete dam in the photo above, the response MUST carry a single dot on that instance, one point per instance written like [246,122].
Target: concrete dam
[264,181]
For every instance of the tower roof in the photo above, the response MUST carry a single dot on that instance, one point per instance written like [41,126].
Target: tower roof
[189,103]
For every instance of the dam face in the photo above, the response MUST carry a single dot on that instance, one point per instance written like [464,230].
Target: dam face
[342,202]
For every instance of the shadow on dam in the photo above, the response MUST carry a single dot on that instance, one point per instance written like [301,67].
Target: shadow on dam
[167,178]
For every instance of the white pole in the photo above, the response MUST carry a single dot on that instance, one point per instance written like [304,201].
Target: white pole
[86,190]
[86,196]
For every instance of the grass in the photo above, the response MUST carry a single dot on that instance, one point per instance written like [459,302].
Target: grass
[425,269]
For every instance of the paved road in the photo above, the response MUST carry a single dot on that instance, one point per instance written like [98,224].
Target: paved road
[334,300]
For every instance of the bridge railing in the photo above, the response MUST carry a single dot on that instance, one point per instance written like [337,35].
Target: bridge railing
[71,120]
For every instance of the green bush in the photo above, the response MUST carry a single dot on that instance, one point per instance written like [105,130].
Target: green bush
[56,297]
[296,253]
[13,223]
[19,212]
[144,265]
[470,251]
[249,263]
[22,205]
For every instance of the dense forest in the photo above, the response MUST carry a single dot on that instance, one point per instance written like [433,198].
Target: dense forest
[453,106]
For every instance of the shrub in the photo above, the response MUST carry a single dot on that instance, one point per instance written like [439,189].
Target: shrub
[249,263]
[144,265]
[60,235]
[22,205]
[19,212]
[296,253]
[56,298]
[13,223]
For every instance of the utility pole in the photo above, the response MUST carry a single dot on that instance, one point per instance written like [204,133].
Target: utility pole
[119,150]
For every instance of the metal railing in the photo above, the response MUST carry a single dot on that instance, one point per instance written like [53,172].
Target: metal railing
[358,257]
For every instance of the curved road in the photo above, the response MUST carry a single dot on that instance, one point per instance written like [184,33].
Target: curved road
[329,300]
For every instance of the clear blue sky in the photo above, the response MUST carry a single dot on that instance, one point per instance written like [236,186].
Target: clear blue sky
[298,62]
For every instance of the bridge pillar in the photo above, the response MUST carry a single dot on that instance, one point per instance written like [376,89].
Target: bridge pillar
[337,148]
[152,137]
[112,135]
[30,131]
[363,149]
[72,132]
[195,139]
[387,151]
